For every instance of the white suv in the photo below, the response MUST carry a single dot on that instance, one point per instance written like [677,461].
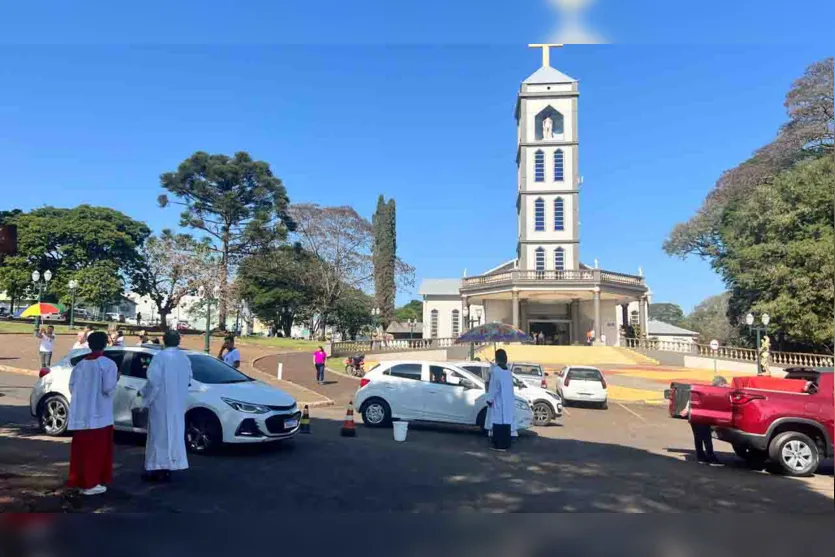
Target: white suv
[224,405]
[427,391]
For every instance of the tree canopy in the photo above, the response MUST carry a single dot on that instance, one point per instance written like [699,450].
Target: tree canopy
[709,319]
[767,226]
[97,246]
[666,312]
[385,258]
[236,200]
[412,310]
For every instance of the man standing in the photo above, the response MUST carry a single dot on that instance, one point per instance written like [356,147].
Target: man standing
[501,401]
[92,384]
[139,318]
[233,355]
[166,397]
[47,337]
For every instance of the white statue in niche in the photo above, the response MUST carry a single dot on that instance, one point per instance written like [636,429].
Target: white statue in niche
[547,128]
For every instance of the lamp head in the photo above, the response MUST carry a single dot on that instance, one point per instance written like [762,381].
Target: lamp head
[749,319]
[47,276]
[36,276]
[766,318]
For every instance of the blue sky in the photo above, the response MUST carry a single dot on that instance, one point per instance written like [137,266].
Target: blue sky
[95,104]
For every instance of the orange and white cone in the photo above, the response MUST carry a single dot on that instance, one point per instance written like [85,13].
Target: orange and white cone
[305,421]
[348,427]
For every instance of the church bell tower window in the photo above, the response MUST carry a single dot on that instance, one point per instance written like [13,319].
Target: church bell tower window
[539,166]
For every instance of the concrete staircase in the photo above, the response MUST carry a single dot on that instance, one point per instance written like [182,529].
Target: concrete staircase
[551,356]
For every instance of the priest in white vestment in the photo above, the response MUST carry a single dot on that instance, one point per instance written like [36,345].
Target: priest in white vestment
[166,397]
[502,402]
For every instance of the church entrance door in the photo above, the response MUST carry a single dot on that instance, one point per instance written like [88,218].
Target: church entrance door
[555,333]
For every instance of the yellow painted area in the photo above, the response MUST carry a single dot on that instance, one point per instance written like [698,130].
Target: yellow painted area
[628,394]
[683,373]
[568,355]
[640,358]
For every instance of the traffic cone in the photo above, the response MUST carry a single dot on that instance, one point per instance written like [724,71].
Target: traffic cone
[305,423]
[348,427]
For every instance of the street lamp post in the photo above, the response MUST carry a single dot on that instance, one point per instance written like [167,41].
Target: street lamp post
[412,323]
[36,278]
[469,320]
[749,320]
[73,284]
[375,314]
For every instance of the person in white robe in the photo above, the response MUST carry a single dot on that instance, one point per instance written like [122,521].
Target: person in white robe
[488,421]
[166,397]
[502,402]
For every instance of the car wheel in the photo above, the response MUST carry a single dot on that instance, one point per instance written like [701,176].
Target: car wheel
[754,458]
[604,405]
[53,415]
[203,432]
[481,419]
[376,413]
[796,453]
[542,413]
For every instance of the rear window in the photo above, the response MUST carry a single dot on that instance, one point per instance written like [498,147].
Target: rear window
[585,374]
[405,371]
[528,369]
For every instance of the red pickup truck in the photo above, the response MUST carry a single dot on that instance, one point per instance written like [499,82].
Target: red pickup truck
[788,420]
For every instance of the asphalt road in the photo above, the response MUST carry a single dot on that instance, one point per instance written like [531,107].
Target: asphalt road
[625,459]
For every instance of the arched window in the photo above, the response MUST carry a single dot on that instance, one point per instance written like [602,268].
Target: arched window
[540,259]
[456,327]
[559,214]
[433,323]
[539,215]
[559,259]
[559,165]
[539,166]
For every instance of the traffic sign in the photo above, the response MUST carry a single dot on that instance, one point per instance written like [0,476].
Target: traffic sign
[714,345]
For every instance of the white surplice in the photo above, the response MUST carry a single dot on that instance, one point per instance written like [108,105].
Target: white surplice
[500,393]
[92,384]
[165,395]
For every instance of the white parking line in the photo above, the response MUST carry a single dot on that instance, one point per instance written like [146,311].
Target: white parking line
[633,412]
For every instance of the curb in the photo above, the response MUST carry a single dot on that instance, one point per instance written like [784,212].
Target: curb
[18,370]
[326,402]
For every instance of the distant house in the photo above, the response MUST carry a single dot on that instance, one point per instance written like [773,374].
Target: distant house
[399,329]
[659,330]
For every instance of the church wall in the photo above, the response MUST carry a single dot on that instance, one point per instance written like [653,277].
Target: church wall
[498,310]
[570,255]
[445,305]
[564,106]
[608,320]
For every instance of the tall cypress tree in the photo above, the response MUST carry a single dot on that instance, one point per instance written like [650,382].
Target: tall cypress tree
[385,253]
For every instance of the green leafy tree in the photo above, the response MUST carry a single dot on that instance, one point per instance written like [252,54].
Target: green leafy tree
[710,319]
[352,313]
[412,310]
[274,286]
[174,266]
[778,255]
[666,312]
[236,200]
[101,242]
[385,258]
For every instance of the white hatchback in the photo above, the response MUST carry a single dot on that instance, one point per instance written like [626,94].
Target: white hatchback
[224,405]
[582,384]
[429,392]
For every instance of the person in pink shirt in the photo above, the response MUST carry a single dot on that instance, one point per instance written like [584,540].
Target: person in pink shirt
[319,358]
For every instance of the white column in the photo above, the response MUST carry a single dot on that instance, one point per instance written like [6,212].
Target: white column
[597,315]
[642,313]
[515,303]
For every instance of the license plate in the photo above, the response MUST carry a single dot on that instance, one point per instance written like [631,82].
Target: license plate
[290,424]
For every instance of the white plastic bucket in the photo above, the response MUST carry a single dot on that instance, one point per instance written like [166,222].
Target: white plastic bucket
[400,431]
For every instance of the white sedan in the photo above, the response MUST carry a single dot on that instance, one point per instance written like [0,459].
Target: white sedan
[224,405]
[582,384]
[427,391]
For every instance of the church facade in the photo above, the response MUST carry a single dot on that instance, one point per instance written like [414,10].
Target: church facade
[545,288]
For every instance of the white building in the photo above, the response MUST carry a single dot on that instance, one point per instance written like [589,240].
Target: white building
[545,288]
[659,330]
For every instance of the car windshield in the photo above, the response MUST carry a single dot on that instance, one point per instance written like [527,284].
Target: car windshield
[527,369]
[585,374]
[212,371]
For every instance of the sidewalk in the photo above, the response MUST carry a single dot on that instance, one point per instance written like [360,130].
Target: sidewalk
[298,368]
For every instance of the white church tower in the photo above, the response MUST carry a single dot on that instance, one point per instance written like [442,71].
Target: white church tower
[547,158]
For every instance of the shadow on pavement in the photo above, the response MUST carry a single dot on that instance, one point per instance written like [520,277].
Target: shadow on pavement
[436,469]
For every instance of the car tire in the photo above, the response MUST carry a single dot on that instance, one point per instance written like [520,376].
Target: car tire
[481,419]
[204,433]
[53,415]
[796,453]
[754,458]
[604,405]
[376,412]
[542,413]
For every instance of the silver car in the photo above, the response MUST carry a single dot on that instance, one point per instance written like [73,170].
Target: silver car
[532,374]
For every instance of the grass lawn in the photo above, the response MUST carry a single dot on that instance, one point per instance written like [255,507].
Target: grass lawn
[24,327]
[279,342]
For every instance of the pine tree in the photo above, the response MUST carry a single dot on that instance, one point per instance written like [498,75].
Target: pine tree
[385,255]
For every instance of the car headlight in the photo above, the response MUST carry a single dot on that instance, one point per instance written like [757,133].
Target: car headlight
[246,407]
[522,405]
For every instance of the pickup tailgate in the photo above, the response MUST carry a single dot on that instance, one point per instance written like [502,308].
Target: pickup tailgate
[711,406]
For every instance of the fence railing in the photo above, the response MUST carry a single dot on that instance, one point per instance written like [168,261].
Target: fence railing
[346,348]
[522,276]
[784,359]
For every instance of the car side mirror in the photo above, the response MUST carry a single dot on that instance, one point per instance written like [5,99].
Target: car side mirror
[467,384]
